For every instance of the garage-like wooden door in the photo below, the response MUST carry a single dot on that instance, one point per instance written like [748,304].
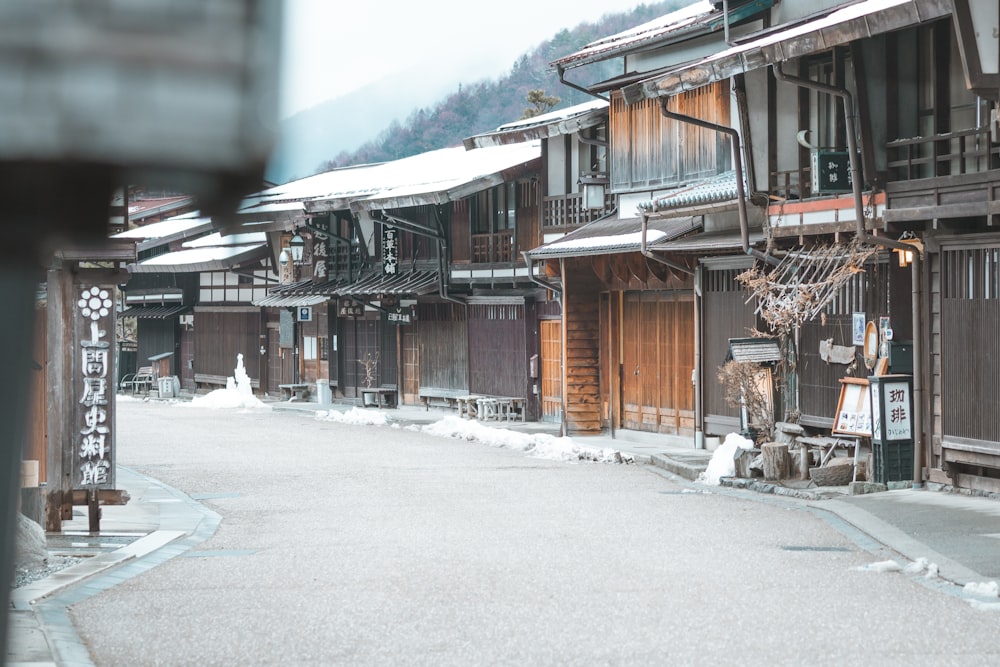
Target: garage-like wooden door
[551,335]
[658,357]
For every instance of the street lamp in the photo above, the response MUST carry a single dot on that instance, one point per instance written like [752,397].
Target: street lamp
[296,245]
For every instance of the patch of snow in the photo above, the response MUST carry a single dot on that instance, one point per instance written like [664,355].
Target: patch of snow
[987,589]
[237,394]
[723,463]
[881,566]
[540,445]
[354,416]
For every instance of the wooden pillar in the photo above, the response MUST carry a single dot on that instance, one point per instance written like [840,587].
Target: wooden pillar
[59,472]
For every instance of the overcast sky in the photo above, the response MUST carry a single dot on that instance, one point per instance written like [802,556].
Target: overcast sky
[332,47]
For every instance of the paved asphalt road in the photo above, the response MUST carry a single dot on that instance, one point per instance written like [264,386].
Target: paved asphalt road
[348,545]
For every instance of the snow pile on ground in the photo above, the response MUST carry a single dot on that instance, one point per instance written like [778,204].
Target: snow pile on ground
[226,399]
[921,565]
[988,589]
[540,445]
[353,416]
[723,462]
[237,394]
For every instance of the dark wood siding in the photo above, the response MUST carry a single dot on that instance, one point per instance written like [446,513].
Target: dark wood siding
[156,336]
[970,346]
[220,335]
[497,348]
[725,315]
[819,381]
[363,339]
[444,346]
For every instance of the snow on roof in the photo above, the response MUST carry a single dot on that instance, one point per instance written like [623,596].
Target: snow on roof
[669,25]
[840,26]
[552,124]
[436,171]
[440,174]
[198,255]
[217,239]
[557,115]
[168,227]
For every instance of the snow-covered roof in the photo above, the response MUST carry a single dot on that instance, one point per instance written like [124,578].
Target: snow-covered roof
[699,18]
[218,239]
[445,175]
[192,260]
[169,227]
[551,124]
[431,177]
[613,235]
[841,26]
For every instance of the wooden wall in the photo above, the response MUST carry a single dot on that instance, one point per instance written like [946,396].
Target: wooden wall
[222,333]
[497,356]
[442,330]
[581,341]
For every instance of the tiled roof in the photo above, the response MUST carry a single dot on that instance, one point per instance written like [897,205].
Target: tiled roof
[614,235]
[712,190]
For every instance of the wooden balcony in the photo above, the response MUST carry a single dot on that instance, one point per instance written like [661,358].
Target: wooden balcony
[562,212]
[950,154]
[493,248]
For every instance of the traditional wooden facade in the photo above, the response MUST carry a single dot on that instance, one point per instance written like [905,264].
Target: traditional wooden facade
[851,137]
[672,178]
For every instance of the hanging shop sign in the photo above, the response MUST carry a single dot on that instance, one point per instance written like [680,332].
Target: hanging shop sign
[390,251]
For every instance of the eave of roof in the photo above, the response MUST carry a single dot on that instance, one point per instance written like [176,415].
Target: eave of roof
[614,235]
[705,192]
[840,26]
[415,283]
[553,124]
[194,260]
[154,312]
[700,18]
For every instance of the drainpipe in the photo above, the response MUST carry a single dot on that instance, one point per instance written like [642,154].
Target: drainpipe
[574,86]
[741,202]
[547,284]
[862,233]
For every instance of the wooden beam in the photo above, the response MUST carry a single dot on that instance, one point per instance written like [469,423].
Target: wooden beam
[104,497]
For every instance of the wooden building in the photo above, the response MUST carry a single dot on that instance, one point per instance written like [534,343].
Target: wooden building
[857,143]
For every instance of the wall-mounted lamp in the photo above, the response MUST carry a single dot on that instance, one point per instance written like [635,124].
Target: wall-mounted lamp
[906,256]
[594,184]
[296,245]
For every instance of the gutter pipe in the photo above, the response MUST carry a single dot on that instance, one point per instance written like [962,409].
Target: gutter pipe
[547,284]
[563,80]
[862,233]
[741,202]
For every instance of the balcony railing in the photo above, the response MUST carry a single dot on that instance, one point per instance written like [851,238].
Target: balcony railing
[566,211]
[493,248]
[963,152]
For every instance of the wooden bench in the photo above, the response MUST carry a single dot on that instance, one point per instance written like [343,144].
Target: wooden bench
[300,390]
[500,408]
[446,397]
[139,381]
[218,380]
[382,397]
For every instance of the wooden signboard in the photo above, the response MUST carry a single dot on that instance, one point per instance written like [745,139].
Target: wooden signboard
[854,410]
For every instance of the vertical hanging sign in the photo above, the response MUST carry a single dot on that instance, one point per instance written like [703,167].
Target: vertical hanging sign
[390,251]
[94,452]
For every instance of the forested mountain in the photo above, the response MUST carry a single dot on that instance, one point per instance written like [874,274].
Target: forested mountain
[473,108]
